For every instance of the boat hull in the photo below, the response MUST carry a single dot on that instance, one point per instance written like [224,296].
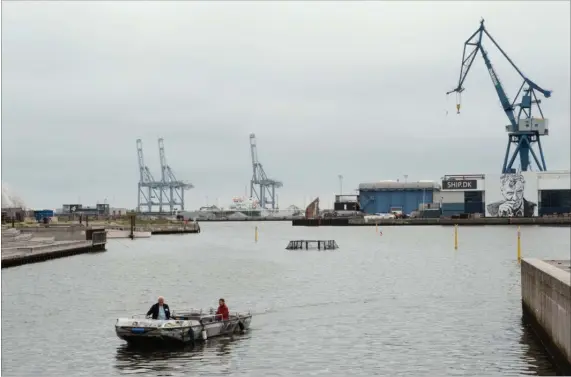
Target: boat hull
[180,330]
[149,332]
[153,342]
[244,321]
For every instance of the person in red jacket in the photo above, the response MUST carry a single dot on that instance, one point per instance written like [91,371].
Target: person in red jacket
[222,313]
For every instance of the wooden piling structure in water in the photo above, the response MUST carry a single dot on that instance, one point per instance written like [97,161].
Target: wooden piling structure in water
[312,244]
[133,219]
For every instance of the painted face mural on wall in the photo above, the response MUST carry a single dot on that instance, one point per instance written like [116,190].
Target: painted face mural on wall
[512,187]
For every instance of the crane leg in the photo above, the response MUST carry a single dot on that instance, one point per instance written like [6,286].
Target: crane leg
[544,166]
[511,161]
[525,146]
[536,159]
[505,167]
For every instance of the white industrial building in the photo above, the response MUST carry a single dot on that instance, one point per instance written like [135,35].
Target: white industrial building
[544,193]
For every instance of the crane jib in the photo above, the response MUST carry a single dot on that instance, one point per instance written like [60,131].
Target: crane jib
[493,75]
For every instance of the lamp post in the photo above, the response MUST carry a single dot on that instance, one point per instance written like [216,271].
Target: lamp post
[340,184]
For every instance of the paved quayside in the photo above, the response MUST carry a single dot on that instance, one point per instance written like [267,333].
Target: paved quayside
[546,302]
[20,248]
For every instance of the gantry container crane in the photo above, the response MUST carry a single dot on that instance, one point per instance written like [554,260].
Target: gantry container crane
[166,193]
[171,192]
[523,130]
[148,187]
[266,186]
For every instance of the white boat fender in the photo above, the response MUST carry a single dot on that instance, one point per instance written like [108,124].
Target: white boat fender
[203,333]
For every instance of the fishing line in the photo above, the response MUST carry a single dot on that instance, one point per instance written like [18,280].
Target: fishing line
[302,306]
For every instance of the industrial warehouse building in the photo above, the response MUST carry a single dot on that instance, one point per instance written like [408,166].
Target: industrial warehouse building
[543,193]
[388,196]
[462,194]
[554,192]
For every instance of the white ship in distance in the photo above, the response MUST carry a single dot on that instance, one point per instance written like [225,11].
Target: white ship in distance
[240,208]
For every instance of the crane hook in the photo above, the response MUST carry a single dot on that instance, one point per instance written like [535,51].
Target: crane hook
[458,102]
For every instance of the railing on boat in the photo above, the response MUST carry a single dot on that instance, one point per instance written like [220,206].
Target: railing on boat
[211,313]
[198,312]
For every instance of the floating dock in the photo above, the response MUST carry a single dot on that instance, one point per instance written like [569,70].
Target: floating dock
[20,248]
[546,305]
[359,221]
[312,244]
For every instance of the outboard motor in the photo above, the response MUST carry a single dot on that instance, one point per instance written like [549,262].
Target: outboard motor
[191,335]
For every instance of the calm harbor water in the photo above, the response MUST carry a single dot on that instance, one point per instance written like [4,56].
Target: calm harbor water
[404,303]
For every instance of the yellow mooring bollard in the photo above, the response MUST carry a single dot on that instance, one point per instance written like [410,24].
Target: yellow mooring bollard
[456,237]
[256,234]
[518,244]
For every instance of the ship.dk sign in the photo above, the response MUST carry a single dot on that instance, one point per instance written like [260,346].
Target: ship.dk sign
[471,184]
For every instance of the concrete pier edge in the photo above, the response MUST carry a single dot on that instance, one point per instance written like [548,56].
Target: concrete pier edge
[544,287]
[46,256]
[21,246]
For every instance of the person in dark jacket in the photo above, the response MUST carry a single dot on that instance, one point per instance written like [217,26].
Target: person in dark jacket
[160,310]
[222,313]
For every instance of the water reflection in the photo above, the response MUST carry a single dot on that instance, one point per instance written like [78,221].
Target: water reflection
[534,360]
[136,360]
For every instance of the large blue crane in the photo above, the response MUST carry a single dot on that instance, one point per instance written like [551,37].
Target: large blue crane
[523,130]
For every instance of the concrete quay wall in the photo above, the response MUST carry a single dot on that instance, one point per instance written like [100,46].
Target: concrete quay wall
[68,233]
[546,303]
[20,248]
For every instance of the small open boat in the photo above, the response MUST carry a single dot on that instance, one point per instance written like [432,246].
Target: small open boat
[184,327]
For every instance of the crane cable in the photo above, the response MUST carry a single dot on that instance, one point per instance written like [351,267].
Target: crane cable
[458,102]
[446,107]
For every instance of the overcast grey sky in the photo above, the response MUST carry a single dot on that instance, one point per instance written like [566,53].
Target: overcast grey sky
[328,88]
